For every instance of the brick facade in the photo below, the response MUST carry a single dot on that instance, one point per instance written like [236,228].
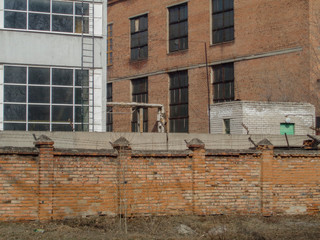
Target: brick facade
[274,59]
[44,183]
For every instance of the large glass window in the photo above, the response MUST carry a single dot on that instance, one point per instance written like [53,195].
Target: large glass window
[109,109]
[139,37]
[222,21]
[178,27]
[139,95]
[109,44]
[47,15]
[223,82]
[32,103]
[179,114]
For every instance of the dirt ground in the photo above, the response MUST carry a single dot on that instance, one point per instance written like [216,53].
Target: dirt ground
[174,227]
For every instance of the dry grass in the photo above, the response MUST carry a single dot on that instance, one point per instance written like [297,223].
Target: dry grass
[201,227]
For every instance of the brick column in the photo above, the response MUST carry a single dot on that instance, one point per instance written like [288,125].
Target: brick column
[45,177]
[198,175]
[266,177]
[122,146]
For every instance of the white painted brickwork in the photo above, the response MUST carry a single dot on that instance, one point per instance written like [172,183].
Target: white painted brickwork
[262,117]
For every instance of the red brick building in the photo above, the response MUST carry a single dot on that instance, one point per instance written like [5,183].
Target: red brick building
[189,54]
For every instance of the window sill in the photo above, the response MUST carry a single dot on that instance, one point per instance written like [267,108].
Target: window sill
[178,52]
[222,43]
[138,60]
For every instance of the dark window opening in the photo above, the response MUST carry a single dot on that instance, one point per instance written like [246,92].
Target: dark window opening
[222,21]
[139,37]
[223,83]
[178,27]
[109,109]
[179,114]
[139,95]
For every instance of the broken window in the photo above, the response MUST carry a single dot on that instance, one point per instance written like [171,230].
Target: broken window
[31,103]
[139,37]
[179,114]
[38,15]
[139,95]
[109,109]
[178,27]
[223,82]
[222,21]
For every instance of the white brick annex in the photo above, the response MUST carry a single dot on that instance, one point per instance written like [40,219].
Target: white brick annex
[261,117]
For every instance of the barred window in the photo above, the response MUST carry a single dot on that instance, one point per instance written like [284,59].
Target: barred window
[223,83]
[179,114]
[140,95]
[139,37]
[46,99]
[47,15]
[222,21]
[178,27]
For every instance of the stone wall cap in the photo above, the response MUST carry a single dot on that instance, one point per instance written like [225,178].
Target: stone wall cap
[195,143]
[265,142]
[121,142]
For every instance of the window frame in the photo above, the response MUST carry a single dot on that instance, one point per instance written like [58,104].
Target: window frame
[176,106]
[109,118]
[135,115]
[52,105]
[110,44]
[178,22]
[223,83]
[139,32]
[51,15]
[224,28]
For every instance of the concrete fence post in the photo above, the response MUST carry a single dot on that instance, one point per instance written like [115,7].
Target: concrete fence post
[266,177]
[45,178]
[122,146]
[198,175]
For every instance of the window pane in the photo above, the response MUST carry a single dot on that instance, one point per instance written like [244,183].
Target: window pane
[228,72]
[85,9]
[62,127]
[82,78]
[15,93]
[228,19]
[173,14]
[39,94]
[82,113]
[217,5]
[15,20]
[62,76]
[183,12]
[39,21]
[62,95]
[62,23]
[174,45]
[135,53]
[82,94]
[82,127]
[174,30]
[62,113]
[39,5]
[39,76]
[229,34]
[218,36]
[78,25]
[38,127]
[14,126]
[143,24]
[13,112]
[143,52]
[15,74]
[15,4]
[62,7]
[217,21]
[228,4]
[39,113]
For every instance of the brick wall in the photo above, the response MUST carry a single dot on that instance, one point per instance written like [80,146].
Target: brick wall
[44,183]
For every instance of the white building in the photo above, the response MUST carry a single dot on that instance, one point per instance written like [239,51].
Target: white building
[241,117]
[42,52]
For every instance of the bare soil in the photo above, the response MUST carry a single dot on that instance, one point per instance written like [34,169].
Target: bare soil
[168,227]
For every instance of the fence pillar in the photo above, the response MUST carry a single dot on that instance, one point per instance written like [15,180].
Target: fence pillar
[266,177]
[122,146]
[45,177]
[198,175]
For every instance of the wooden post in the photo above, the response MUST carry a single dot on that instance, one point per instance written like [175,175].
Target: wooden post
[141,119]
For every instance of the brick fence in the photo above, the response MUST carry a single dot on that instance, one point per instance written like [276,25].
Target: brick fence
[44,183]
